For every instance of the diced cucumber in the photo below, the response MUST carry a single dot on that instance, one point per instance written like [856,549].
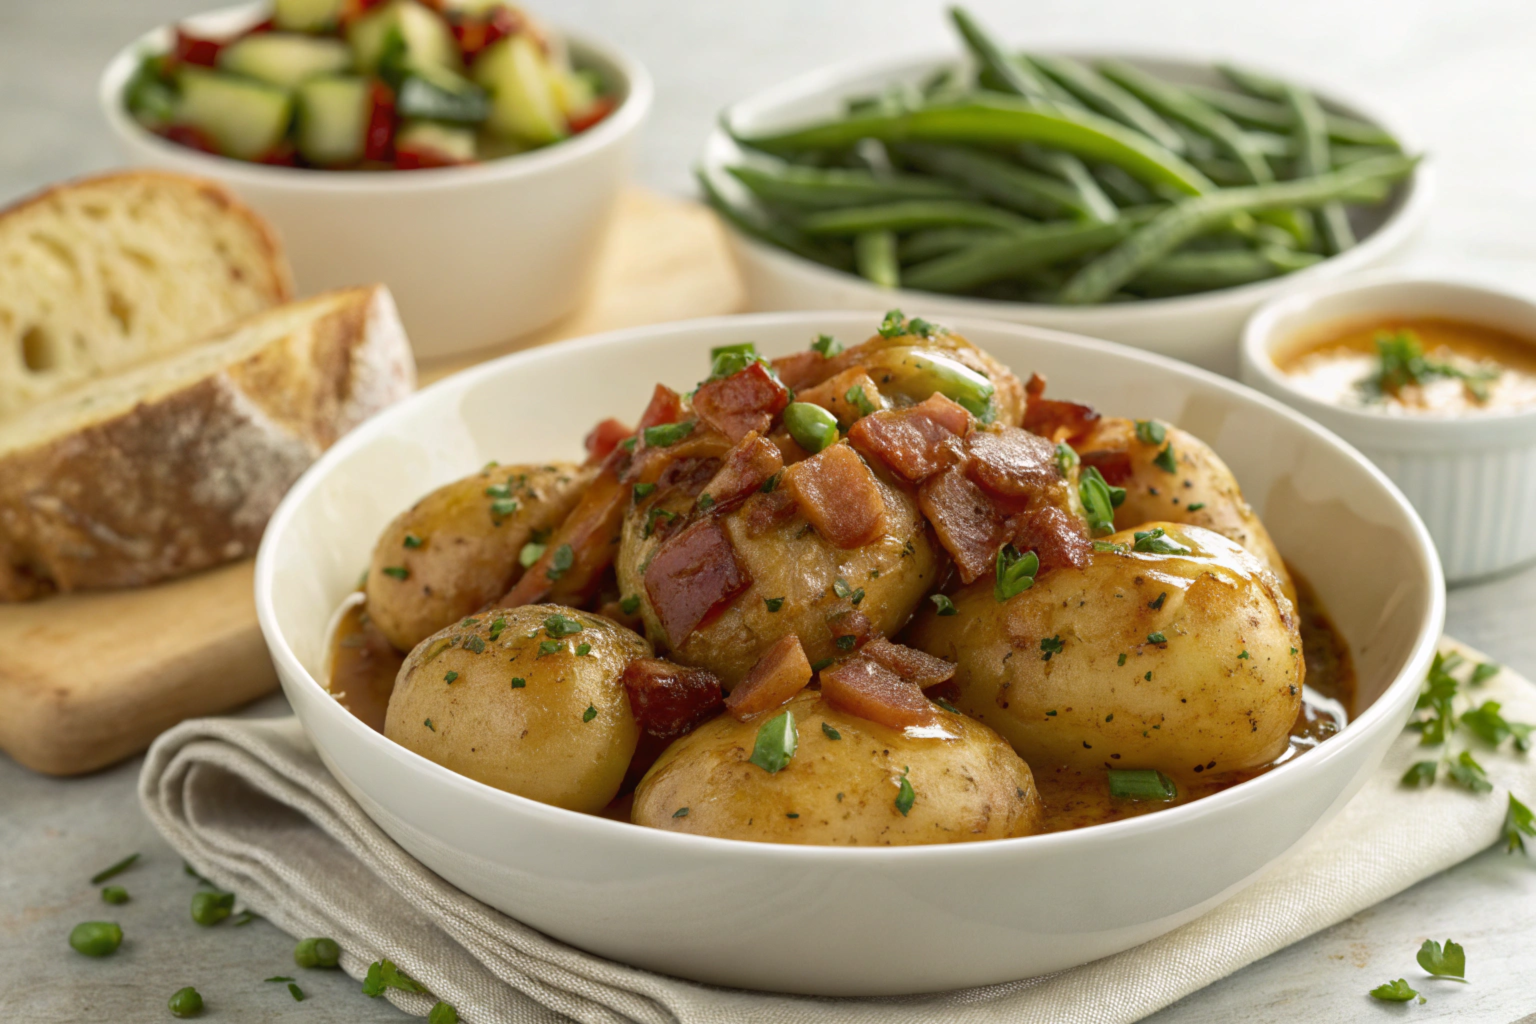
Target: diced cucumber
[332,113]
[428,40]
[285,59]
[148,96]
[575,91]
[244,119]
[433,94]
[523,103]
[306,15]
[446,143]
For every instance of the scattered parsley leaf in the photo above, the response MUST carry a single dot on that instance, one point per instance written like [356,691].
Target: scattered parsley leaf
[1195,506]
[1052,645]
[773,604]
[831,733]
[1156,638]
[412,541]
[397,572]
[1483,672]
[1395,992]
[856,397]
[531,552]
[1519,821]
[776,742]
[681,812]
[943,605]
[630,604]
[1421,773]
[383,974]
[1465,771]
[1451,962]
[450,677]
[558,625]
[827,345]
[905,795]
[1156,541]
[429,725]
[1166,460]
[518,682]
[1158,604]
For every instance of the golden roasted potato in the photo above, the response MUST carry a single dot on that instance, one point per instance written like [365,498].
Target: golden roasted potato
[1200,492]
[843,786]
[1186,663]
[796,578]
[456,550]
[527,699]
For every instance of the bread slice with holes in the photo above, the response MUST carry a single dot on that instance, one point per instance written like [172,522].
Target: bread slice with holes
[107,272]
[176,465]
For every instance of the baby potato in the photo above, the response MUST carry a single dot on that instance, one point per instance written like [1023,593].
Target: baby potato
[843,786]
[796,578]
[1187,663]
[1201,492]
[455,550]
[526,699]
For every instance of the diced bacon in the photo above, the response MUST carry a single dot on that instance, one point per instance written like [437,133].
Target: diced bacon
[912,665]
[669,700]
[838,495]
[765,511]
[741,403]
[801,370]
[1059,421]
[1057,537]
[1012,463]
[666,406]
[832,395]
[964,520]
[692,574]
[863,687]
[778,675]
[851,622]
[603,439]
[1113,464]
[743,472]
[583,547]
[913,442]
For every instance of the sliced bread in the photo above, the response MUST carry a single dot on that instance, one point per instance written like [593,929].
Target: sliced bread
[107,272]
[176,465]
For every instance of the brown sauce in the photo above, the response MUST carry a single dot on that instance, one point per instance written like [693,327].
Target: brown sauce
[364,666]
[1495,371]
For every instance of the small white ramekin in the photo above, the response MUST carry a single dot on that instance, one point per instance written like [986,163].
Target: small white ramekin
[474,255]
[1472,478]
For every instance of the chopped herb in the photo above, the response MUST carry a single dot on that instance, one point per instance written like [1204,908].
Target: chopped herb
[499,491]
[630,604]
[1066,459]
[1015,572]
[776,742]
[1140,784]
[496,629]
[1293,652]
[412,541]
[502,507]
[547,647]
[429,725]
[705,503]
[1483,672]
[1122,658]
[1110,546]
[562,561]
[1148,676]
[643,490]
[1052,645]
[450,677]
[817,666]
[628,444]
[841,589]
[1519,821]
[1150,432]
[582,650]
[1395,992]
[1195,506]
[1156,638]
[681,812]
[531,552]
[1050,714]
[1243,656]
[1422,773]
[518,682]
[1450,962]
[114,894]
[559,625]
[893,326]
[946,705]
[943,604]
[1402,363]
[442,1013]
[667,434]
[827,345]
[115,870]
[383,974]
[296,992]
[474,645]
[856,397]
[590,713]
[729,360]
[857,596]
[398,572]
[1155,541]
[1165,460]
[770,483]
[1492,728]
[1158,604]
[1466,772]
[1099,500]
[653,515]
[905,795]
[846,642]
[831,733]
[773,603]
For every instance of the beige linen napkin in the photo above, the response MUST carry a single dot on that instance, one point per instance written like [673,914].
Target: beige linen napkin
[249,805]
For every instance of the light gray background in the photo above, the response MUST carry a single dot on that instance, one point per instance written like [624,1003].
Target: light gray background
[1461,74]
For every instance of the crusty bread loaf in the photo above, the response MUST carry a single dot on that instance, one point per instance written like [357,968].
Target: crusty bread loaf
[105,273]
[176,465]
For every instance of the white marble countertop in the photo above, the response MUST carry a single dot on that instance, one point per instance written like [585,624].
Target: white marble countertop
[1462,75]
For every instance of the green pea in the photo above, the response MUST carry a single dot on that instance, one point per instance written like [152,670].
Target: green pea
[209,908]
[96,938]
[317,953]
[812,427]
[442,1013]
[114,894]
[186,1003]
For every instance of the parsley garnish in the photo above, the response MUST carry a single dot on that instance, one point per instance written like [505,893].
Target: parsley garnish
[845,642]
[1165,460]
[531,552]
[562,561]
[1015,572]
[856,397]
[729,360]
[383,974]
[1156,542]
[817,666]
[496,627]
[653,515]
[582,650]
[1052,645]
[558,625]
[630,604]
[1421,773]
[1099,500]
[1483,672]
[499,491]
[1156,638]
[776,742]
[429,725]
[503,507]
[770,483]
[548,647]
[831,733]
[1395,992]
[827,345]
[1195,506]
[705,502]
[1491,727]
[943,604]
[1466,772]
[667,434]
[589,714]
[1150,432]
[1243,656]
[474,645]
[681,812]
[398,572]
[450,677]
[412,541]
[1402,363]
[1158,604]
[841,589]
[1451,962]
[1122,658]
[773,603]
[643,490]
[1519,822]
[518,682]
[905,795]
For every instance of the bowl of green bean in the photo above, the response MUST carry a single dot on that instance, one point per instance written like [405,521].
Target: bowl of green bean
[1152,201]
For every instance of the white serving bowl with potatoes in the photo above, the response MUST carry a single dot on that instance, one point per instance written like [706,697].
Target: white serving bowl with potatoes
[475,255]
[838,920]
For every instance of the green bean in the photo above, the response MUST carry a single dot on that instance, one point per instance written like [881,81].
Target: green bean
[998,180]
[874,256]
[1070,169]
[1011,255]
[931,242]
[1121,187]
[1261,113]
[1181,273]
[1171,101]
[114,894]
[1253,82]
[1100,94]
[1368,180]
[755,223]
[1312,159]
[909,216]
[999,120]
[830,187]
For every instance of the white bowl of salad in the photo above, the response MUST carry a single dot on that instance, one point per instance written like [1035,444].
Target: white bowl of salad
[456,150]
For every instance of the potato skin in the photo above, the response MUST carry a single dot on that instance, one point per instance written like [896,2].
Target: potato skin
[1191,705]
[467,557]
[533,740]
[968,787]
[792,561]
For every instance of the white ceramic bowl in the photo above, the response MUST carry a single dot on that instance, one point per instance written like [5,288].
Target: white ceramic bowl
[830,920]
[1201,329]
[1472,478]
[473,255]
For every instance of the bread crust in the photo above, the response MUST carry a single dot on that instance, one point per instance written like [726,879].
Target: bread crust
[188,479]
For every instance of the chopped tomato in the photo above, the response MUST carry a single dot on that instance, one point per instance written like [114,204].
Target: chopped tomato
[604,438]
[186,135]
[380,136]
[474,32]
[865,688]
[199,50]
[745,401]
[593,114]
[778,675]
[691,575]
[838,495]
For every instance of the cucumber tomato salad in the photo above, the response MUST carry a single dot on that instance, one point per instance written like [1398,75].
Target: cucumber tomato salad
[369,85]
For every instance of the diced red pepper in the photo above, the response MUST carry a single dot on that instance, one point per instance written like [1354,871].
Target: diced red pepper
[192,138]
[474,32]
[594,113]
[691,575]
[743,472]
[670,700]
[351,10]
[838,495]
[420,158]
[745,401]
[915,666]
[604,438]
[379,139]
[778,675]
[281,155]
[863,687]
[199,50]
[913,442]
[964,520]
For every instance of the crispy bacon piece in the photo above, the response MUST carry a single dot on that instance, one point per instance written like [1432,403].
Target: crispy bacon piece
[743,472]
[912,665]
[692,574]
[1012,463]
[1113,464]
[745,401]
[965,521]
[1055,536]
[913,442]
[583,547]
[665,406]
[765,511]
[863,687]
[1059,421]
[852,623]
[669,700]
[778,675]
[838,495]
[801,370]
[605,437]
[832,395]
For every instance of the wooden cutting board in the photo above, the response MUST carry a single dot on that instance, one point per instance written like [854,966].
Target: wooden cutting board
[89,679]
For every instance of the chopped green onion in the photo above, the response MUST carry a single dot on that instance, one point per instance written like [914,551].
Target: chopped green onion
[1015,572]
[1142,784]
[1150,432]
[1155,541]
[667,434]
[630,604]
[563,559]
[643,490]
[1099,500]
